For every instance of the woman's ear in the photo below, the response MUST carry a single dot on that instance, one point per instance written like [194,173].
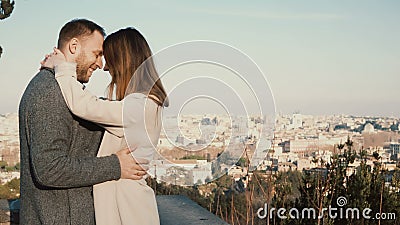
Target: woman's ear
[74,46]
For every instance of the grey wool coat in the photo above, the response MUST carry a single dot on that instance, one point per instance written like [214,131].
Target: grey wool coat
[58,158]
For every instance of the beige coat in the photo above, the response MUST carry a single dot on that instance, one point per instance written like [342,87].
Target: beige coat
[133,122]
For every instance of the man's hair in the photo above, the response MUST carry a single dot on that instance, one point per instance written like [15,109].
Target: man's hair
[77,28]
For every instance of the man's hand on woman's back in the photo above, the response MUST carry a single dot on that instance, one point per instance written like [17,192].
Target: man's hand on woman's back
[131,168]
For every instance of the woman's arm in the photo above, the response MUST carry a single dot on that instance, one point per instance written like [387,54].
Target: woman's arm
[86,105]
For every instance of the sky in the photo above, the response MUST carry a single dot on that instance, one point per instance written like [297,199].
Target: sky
[319,57]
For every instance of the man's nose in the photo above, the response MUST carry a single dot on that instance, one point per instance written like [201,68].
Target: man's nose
[99,63]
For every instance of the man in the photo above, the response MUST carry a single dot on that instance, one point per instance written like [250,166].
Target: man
[58,150]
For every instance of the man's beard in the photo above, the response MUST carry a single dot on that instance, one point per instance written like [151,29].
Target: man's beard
[82,67]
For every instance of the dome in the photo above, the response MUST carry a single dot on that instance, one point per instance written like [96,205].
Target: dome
[368,128]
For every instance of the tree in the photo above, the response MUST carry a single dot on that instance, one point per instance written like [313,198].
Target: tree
[14,187]
[286,186]
[17,166]
[394,127]
[359,189]
[241,162]
[3,165]
[6,8]
[10,190]
[376,156]
[198,157]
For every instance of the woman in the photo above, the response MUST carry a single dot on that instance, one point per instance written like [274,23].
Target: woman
[140,97]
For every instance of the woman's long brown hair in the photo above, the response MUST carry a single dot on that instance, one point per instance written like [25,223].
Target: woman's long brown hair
[128,57]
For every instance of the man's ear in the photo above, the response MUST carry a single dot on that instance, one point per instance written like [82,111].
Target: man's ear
[74,46]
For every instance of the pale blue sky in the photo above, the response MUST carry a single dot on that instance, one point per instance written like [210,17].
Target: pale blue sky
[320,57]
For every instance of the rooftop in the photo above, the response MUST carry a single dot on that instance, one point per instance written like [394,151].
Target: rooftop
[173,210]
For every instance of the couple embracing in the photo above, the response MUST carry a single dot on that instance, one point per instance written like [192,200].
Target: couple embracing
[84,159]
